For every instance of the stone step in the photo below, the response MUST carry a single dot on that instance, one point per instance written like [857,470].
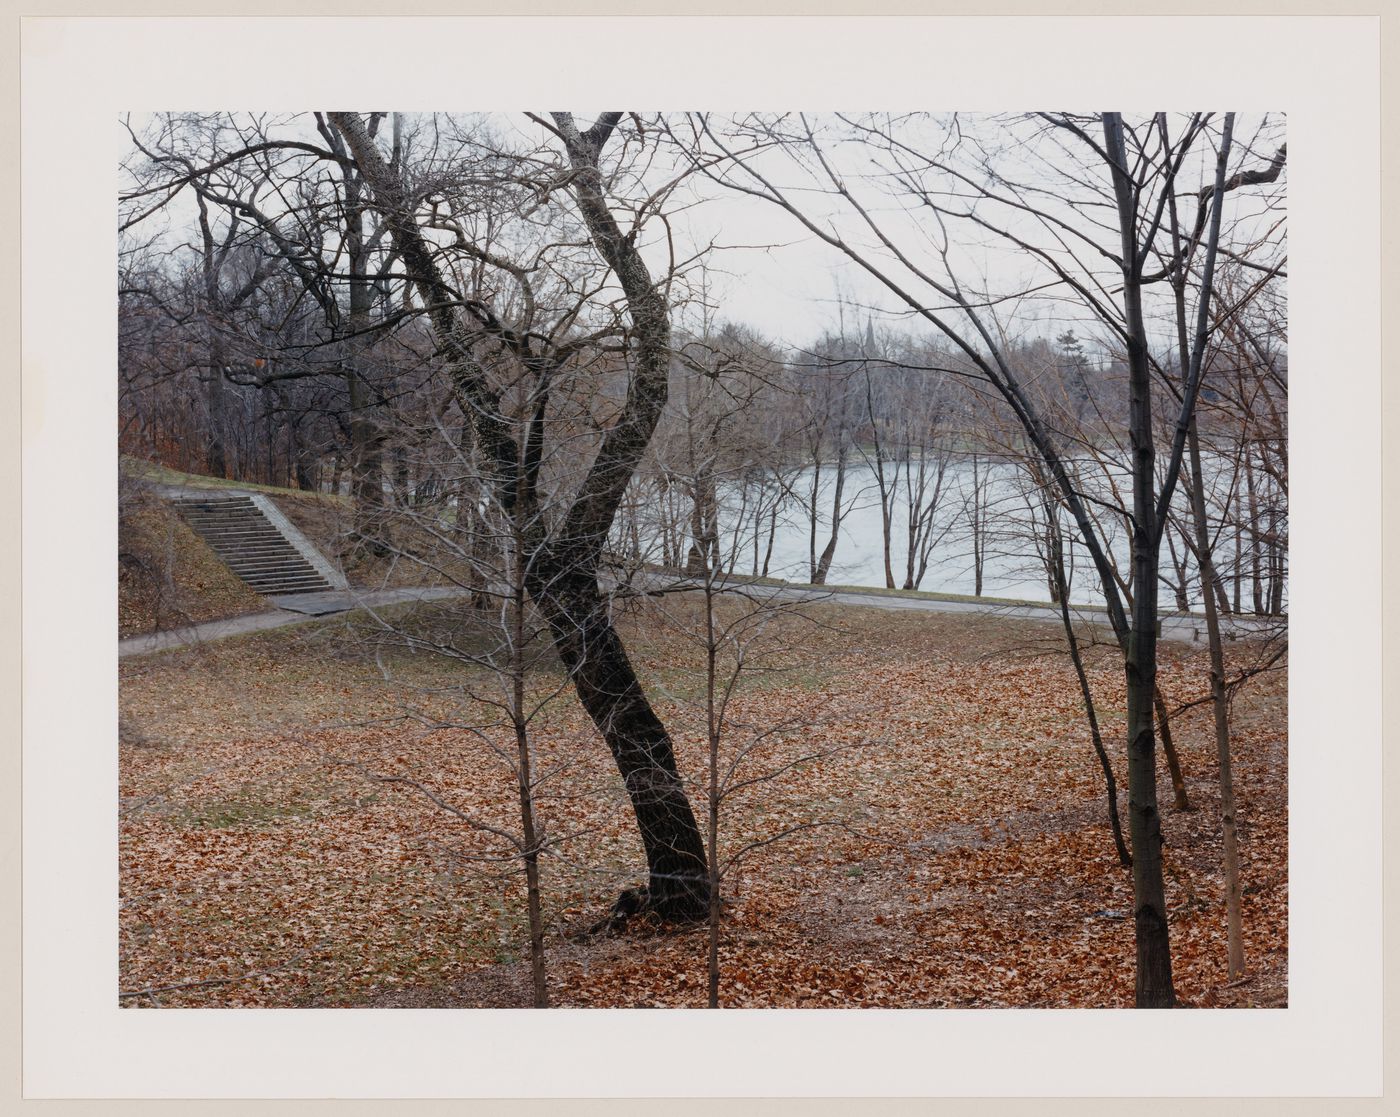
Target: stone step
[250,527]
[262,554]
[257,561]
[233,508]
[262,551]
[248,524]
[249,542]
[287,586]
[280,572]
[277,572]
[215,522]
[247,539]
[231,549]
[249,569]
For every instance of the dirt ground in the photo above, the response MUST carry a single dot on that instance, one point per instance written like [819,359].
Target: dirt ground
[946,832]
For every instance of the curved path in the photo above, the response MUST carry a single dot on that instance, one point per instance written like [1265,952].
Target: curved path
[301,608]
[292,609]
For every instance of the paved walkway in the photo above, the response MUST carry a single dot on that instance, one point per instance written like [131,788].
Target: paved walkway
[1190,629]
[300,608]
[293,609]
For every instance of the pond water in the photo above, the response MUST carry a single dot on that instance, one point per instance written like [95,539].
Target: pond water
[1012,539]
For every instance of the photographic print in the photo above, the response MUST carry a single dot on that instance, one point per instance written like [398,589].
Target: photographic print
[703,559]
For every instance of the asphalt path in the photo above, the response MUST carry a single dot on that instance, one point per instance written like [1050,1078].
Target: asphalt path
[292,609]
[301,608]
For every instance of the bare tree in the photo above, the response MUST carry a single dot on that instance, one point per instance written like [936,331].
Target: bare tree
[563,562]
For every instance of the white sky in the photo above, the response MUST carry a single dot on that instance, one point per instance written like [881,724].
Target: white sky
[774,275]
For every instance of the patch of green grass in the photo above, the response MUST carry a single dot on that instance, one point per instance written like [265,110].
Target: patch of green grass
[732,580]
[735,580]
[164,475]
[245,809]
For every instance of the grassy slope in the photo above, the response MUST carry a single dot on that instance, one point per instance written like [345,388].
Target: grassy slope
[168,576]
[163,475]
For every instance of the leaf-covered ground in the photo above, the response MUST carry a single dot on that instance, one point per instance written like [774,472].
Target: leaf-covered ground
[949,846]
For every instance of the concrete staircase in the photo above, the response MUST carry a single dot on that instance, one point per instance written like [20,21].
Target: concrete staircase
[254,549]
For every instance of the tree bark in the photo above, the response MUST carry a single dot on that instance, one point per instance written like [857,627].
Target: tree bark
[1164,727]
[1205,562]
[1234,925]
[1110,782]
[610,692]
[1154,968]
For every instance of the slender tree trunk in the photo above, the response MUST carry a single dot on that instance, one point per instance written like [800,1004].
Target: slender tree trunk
[1164,727]
[1276,566]
[1209,583]
[829,551]
[772,535]
[1110,782]
[529,832]
[366,464]
[217,453]
[1154,967]
[1233,918]
[1183,601]
[366,450]
[524,776]
[887,491]
[1256,580]
[1239,554]
[886,521]
[712,740]
[978,553]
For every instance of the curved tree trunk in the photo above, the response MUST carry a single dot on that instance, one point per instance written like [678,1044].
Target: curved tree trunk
[609,690]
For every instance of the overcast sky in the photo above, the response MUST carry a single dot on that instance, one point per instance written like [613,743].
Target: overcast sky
[772,274]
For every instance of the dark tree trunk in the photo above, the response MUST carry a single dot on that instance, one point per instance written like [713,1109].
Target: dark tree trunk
[1057,560]
[823,567]
[772,535]
[366,450]
[978,552]
[1210,584]
[1164,727]
[610,692]
[1154,966]
[1238,572]
[366,464]
[1183,601]
[217,455]
[1220,708]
